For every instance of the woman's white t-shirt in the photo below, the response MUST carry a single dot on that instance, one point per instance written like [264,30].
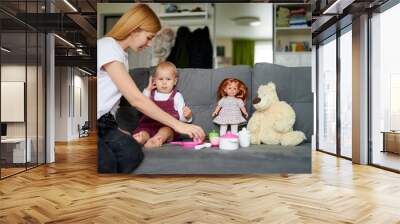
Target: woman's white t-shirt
[108,95]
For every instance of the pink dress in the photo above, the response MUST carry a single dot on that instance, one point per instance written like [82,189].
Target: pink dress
[230,112]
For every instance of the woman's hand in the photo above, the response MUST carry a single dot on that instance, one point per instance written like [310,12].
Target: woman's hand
[187,112]
[194,131]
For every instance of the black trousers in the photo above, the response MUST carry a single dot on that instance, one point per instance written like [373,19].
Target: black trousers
[117,152]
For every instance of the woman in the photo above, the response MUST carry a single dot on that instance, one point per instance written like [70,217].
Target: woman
[117,151]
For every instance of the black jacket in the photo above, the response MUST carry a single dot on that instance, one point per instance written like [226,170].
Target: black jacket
[192,50]
[201,52]
[180,51]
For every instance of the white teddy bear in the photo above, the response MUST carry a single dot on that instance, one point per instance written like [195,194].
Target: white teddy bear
[273,120]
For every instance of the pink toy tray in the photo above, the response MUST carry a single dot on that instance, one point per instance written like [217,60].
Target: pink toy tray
[187,144]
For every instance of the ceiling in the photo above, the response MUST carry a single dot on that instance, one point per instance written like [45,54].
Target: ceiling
[40,5]
[328,17]
[76,26]
[20,54]
[225,27]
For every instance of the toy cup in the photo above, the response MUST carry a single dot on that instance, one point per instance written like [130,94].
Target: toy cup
[214,138]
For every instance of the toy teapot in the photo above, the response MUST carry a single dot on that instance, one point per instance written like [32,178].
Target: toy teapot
[229,141]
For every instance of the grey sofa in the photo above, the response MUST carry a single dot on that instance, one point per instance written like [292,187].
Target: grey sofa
[199,87]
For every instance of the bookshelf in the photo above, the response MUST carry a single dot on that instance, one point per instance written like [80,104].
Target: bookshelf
[292,34]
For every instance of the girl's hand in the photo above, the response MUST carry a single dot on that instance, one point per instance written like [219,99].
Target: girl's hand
[151,85]
[194,131]
[187,113]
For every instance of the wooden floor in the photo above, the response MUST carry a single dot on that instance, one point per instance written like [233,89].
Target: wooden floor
[387,159]
[70,191]
[10,171]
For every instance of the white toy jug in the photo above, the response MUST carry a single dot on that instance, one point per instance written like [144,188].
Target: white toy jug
[244,138]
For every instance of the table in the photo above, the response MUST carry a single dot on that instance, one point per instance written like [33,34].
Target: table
[16,147]
[391,141]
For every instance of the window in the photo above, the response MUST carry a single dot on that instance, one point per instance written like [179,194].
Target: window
[346,94]
[22,65]
[327,96]
[385,85]
[263,52]
[394,102]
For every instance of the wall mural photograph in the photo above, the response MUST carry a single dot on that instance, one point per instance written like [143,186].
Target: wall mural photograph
[201,88]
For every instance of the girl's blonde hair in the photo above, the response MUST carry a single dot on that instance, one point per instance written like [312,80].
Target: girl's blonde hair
[166,65]
[138,17]
[242,88]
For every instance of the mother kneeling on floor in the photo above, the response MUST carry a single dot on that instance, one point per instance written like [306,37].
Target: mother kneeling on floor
[117,151]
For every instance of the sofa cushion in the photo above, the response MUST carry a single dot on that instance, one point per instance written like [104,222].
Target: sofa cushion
[172,159]
[195,86]
[293,85]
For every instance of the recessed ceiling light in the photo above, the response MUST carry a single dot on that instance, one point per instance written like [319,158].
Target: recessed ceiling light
[64,40]
[247,21]
[5,50]
[84,71]
[70,5]
[338,6]
[255,23]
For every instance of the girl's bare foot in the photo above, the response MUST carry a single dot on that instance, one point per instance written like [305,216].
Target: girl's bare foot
[140,137]
[155,141]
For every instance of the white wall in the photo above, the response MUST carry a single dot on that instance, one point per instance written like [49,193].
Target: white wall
[14,73]
[67,114]
[17,73]
[61,103]
[79,117]
[33,126]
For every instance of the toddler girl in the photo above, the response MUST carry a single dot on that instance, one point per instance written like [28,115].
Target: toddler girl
[231,94]
[161,90]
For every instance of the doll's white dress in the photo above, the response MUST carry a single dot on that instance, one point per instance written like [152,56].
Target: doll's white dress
[230,112]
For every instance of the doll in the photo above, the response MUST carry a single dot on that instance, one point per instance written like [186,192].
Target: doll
[231,95]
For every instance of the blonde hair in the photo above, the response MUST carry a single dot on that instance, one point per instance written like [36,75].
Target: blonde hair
[166,65]
[138,17]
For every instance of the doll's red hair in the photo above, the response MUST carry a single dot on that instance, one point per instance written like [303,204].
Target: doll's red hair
[242,93]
